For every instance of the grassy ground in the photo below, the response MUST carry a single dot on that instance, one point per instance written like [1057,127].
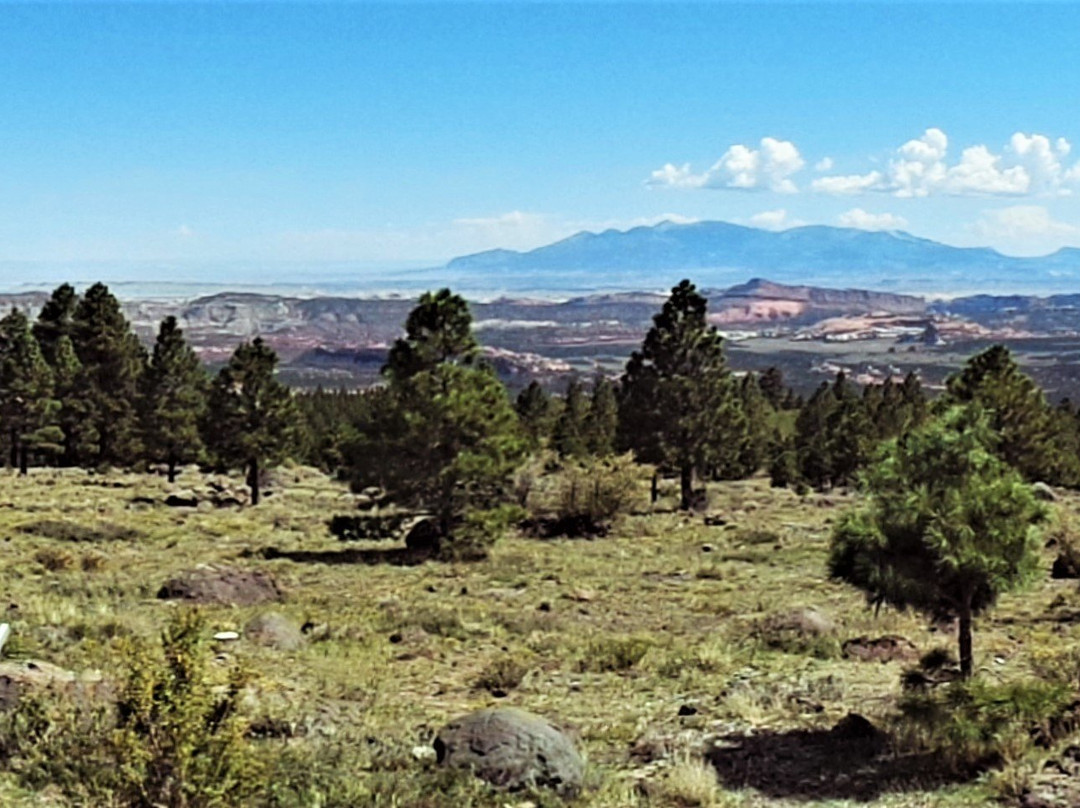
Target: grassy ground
[609,638]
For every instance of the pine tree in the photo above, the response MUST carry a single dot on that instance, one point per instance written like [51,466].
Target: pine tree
[56,321]
[438,330]
[677,401]
[773,388]
[447,438]
[534,409]
[27,406]
[112,361]
[76,438]
[758,428]
[1018,412]
[602,421]
[813,446]
[570,435]
[948,526]
[251,421]
[173,400]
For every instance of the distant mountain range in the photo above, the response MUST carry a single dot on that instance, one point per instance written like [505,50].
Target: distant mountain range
[719,253]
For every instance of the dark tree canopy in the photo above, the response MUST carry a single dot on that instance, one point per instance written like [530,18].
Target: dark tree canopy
[27,407]
[947,528]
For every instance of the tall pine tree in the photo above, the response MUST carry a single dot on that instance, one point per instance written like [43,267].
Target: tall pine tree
[438,330]
[27,406]
[252,421]
[173,400]
[112,361]
[677,402]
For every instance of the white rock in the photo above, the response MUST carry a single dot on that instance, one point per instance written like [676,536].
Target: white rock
[424,753]
[226,636]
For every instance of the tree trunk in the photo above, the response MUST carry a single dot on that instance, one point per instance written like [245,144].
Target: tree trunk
[654,491]
[23,461]
[686,482]
[14,458]
[965,640]
[172,470]
[253,480]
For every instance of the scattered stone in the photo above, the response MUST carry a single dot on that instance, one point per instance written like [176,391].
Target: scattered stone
[17,678]
[511,749]
[715,521]
[806,622]
[1044,492]
[582,595]
[706,548]
[227,636]
[424,536]
[182,499]
[881,649]
[424,753]
[226,586]
[687,710]
[1067,564]
[544,607]
[274,631]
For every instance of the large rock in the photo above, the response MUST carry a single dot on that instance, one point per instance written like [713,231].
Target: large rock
[424,536]
[511,749]
[222,585]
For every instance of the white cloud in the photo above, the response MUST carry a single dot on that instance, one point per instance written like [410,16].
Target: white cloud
[849,184]
[1024,230]
[863,220]
[774,220]
[1028,165]
[767,167]
[824,164]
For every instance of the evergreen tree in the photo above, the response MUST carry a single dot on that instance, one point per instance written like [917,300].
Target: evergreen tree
[602,420]
[56,321]
[252,421]
[75,438]
[534,409]
[758,428]
[773,388]
[1018,412]
[112,361]
[570,436]
[173,400]
[27,406]
[948,526]
[813,446]
[677,403]
[438,330]
[448,437]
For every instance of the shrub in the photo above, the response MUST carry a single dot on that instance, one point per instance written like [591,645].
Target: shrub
[63,530]
[503,674]
[173,736]
[973,724]
[592,493]
[479,531]
[355,528]
[611,654]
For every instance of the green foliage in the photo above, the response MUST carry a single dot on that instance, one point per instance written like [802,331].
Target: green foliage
[975,723]
[173,401]
[570,436]
[438,331]
[947,527]
[593,492]
[678,404]
[356,528]
[27,408]
[251,421]
[602,422]
[614,654]
[1018,412]
[534,409]
[173,737]
[112,360]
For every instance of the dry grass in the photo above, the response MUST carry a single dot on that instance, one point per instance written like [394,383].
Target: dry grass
[609,637]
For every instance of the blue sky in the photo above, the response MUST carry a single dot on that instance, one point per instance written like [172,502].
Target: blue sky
[210,134]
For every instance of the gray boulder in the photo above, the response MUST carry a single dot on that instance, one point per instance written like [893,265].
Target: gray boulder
[512,749]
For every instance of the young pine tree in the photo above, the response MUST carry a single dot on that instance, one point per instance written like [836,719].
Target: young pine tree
[534,409]
[251,421]
[570,437]
[437,331]
[112,362]
[56,321]
[173,400]
[27,406]
[947,528]
[678,402]
[602,421]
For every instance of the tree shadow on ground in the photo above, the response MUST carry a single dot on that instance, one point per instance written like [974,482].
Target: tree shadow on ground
[392,556]
[852,761]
